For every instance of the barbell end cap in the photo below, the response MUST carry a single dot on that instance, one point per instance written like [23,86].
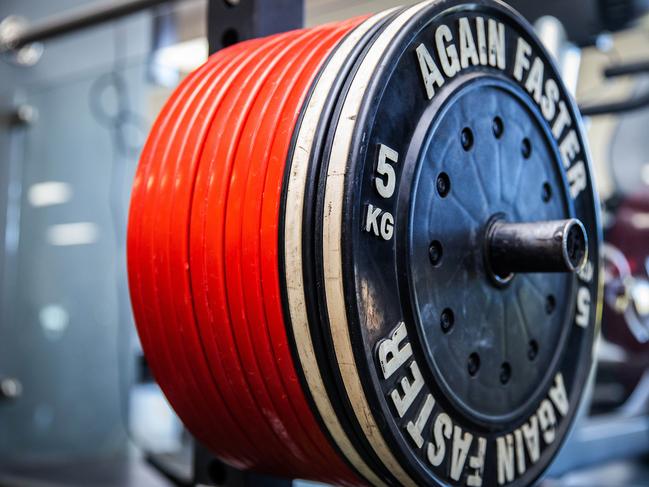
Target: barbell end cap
[546,246]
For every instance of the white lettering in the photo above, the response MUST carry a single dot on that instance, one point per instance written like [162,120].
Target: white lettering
[476,462]
[391,357]
[496,44]
[559,396]
[482,41]
[461,445]
[562,121]
[520,452]
[415,429]
[447,51]
[531,434]
[550,99]
[467,45]
[547,420]
[583,307]
[371,220]
[379,223]
[387,226]
[522,62]
[534,83]
[577,178]
[505,454]
[385,187]
[437,448]
[569,147]
[429,71]
[410,390]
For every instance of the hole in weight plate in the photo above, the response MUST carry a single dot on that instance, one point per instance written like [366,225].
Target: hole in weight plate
[505,373]
[532,350]
[547,192]
[474,364]
[526,148]
[498,127]
[447,320]
[550,304]
[466,138]
[435,252]
[443,184]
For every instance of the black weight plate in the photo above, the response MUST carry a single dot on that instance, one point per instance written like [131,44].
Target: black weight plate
[301,298]
[456,300]
[487,364]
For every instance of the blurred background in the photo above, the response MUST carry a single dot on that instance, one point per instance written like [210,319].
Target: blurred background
[77,403]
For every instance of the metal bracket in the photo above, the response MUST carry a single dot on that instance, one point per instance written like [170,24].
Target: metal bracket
[231,21]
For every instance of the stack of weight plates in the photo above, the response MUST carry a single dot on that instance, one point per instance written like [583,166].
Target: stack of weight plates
[272,260]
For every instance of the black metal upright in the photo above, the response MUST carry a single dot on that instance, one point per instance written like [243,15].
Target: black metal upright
[231,21]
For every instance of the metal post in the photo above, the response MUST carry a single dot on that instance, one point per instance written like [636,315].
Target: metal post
[231,21]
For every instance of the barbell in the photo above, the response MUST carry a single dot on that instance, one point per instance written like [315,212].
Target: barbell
[368,252]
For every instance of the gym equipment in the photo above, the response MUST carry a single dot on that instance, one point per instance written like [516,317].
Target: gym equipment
[368,252]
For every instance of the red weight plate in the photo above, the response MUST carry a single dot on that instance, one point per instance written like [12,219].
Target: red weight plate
[221,350]
[167,230]
[234,382]
[140,295]
[187,341]
[278,108]
[173,212]
[246,306]
[205,426]
[248,381]
[227,129]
